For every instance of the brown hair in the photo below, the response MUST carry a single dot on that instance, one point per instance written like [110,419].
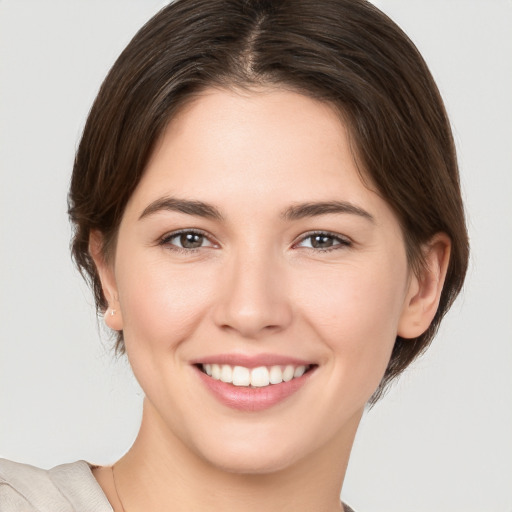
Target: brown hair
[344,52]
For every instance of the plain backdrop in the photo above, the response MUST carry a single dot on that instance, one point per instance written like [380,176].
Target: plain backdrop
[442,438]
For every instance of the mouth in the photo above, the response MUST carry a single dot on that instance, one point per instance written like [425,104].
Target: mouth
[253,384]
[259,377]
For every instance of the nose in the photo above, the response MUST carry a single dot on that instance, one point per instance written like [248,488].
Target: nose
[254,301]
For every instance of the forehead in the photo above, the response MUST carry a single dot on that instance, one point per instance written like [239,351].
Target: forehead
[265,147]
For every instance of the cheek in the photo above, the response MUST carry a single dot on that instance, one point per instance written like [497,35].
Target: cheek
[161,303]
[356,315]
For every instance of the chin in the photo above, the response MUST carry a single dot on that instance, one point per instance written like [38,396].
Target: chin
[260,448]
[251,461]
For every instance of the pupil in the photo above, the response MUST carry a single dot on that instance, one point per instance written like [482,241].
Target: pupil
[191,240]
[321,241]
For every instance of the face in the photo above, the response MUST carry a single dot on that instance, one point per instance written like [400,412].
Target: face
[260,284]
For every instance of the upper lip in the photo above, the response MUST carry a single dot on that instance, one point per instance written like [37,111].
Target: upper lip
[252,361]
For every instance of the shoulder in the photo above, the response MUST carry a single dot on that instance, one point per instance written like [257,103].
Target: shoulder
[64,488]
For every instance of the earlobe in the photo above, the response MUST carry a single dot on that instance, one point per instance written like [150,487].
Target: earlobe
[424,291]
[112,316]
[113,319]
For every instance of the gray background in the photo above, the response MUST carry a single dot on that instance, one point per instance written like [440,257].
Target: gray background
[441,440]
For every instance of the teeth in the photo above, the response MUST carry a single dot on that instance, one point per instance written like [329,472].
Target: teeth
[255,377]
[216,371]
[299,371]
[226,373]
[241,376]
[276,375]
[288,373]
[260,377]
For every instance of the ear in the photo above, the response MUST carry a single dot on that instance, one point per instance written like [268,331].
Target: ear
[113,316]
[424,291]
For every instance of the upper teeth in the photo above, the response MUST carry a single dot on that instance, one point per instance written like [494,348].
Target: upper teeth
[256,377]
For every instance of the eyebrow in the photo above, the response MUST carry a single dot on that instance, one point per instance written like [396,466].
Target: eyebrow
[300,211]
[294,212]
[173,204]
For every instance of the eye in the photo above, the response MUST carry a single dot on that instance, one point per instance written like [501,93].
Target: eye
[323,241]
[186,240]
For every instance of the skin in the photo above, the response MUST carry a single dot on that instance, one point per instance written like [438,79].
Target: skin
[256,285]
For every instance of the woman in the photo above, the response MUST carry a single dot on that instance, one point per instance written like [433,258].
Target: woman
[266,203]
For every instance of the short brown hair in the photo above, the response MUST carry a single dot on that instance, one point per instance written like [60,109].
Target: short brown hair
[343,52]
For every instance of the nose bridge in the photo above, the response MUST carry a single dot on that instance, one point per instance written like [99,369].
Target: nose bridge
[254,299]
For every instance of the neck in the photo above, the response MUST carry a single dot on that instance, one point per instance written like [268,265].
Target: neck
[161,469]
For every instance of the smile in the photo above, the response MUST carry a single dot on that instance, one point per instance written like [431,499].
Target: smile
[251,384]
[259,377]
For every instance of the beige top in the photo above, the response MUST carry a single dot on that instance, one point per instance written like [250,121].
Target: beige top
[66,488]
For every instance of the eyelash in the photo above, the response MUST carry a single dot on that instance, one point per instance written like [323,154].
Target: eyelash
[166,240]
[342,242]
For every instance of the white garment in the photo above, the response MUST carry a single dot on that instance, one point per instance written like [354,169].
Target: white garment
[66,488]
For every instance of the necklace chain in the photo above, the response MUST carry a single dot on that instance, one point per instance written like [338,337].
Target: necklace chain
[123,509]
[117,492]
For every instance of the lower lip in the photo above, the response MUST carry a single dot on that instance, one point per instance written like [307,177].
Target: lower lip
[252,399]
